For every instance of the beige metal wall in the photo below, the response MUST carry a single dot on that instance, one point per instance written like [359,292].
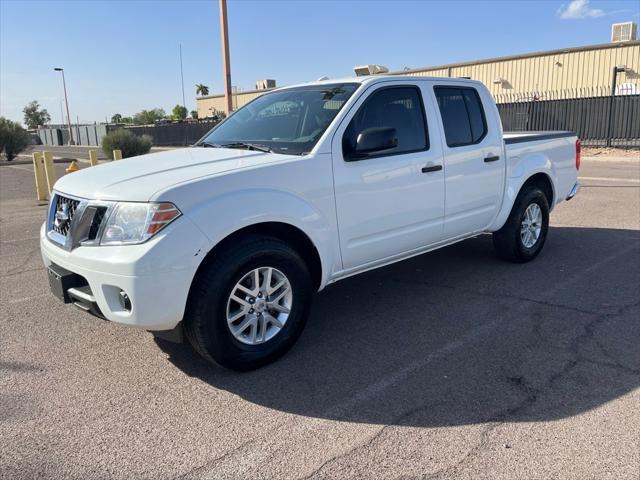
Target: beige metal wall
[568,73]
[571,73]
[215,103]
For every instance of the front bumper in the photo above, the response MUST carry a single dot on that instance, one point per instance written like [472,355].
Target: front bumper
[156,275]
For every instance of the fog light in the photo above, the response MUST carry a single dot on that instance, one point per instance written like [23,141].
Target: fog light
[125,301]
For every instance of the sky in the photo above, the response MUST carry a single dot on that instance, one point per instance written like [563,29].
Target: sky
[122,56]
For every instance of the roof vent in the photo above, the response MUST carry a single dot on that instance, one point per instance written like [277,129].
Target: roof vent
[623,32]
[364,70]
[265,84]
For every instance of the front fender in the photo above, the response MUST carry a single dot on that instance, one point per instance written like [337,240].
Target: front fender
[230,212]
[519,170]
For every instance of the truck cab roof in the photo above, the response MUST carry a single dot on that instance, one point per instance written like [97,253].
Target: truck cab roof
[373,79]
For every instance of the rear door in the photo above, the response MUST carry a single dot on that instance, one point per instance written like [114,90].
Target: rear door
[390,202]
[473,157]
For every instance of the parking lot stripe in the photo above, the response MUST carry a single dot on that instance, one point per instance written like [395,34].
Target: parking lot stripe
[18,167]
[610,179]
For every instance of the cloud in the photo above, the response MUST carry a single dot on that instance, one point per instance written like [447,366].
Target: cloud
[579,9]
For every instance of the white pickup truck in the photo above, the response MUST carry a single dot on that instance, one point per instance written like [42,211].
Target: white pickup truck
[227,240]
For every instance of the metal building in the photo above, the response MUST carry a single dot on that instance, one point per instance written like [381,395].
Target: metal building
[564,73]
[571,72]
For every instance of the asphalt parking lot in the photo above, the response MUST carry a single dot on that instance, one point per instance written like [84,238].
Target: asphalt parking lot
[449,365]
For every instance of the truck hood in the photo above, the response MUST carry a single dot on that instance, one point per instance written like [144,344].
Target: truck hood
[139,178]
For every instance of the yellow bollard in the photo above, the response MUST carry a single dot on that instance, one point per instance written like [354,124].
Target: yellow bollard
[73,167]
[93,157]
[117,154]
[49,170]
[38,170]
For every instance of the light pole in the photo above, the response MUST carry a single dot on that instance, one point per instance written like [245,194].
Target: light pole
[614,80]
[66,101]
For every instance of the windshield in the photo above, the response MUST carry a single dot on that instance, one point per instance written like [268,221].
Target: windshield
[287,121]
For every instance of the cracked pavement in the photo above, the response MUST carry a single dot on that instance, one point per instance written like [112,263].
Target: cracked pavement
[449,365]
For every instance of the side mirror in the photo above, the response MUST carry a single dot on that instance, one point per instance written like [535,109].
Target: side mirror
[374,139]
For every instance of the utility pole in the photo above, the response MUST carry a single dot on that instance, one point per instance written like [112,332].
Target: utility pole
[66,101]
[226,61]
[182,78]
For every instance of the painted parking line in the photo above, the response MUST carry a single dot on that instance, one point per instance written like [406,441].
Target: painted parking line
[611,179]
[19,167]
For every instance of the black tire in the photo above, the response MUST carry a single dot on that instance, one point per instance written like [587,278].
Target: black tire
[206,315]
[508,241]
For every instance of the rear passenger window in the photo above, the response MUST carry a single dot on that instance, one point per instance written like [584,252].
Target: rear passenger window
[397,107]
[462,115]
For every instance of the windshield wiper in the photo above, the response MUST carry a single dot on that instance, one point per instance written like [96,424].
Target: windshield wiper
[248,146]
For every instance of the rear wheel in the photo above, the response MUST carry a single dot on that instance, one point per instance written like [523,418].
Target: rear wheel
[249,304]
[523,235]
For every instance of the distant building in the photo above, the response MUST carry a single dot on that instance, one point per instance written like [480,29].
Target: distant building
[564,73]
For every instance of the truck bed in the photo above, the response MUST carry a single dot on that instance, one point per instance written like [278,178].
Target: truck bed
[519,137]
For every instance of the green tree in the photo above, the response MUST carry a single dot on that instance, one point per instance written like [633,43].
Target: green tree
[13,138]
[127,120]
[117,118]
[35,117]
[146,117]
[179,112]
[202,90]
[194,114]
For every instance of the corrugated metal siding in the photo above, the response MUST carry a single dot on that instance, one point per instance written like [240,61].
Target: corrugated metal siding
[208,105]
[568,73]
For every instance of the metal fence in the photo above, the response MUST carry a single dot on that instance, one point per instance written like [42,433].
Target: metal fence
[598,118]
[173,134]
[170,134]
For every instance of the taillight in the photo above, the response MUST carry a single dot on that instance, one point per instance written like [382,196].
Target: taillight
[578,154]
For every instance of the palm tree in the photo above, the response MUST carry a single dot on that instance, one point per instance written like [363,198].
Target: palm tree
[202,90]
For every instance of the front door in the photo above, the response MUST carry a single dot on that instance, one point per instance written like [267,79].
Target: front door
[391,201]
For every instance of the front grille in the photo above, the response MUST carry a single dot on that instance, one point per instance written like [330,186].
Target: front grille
[98,216]
[74,222]
[63,213]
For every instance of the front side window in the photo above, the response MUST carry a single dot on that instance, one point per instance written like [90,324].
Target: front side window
[287,121]
[396,107]
[462,115]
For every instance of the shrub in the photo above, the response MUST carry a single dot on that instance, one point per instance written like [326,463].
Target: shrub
[13,138]
[130,144]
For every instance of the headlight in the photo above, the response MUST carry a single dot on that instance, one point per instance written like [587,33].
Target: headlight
[131,223]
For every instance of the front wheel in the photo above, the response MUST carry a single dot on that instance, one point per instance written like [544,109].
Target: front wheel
[249,304]
[523,235]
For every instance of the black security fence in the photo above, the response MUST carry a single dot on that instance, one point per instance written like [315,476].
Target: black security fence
[163,134]
[599,120]
[173,134]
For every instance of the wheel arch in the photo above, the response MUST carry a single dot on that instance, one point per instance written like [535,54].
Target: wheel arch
[542,179]
[290,234]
